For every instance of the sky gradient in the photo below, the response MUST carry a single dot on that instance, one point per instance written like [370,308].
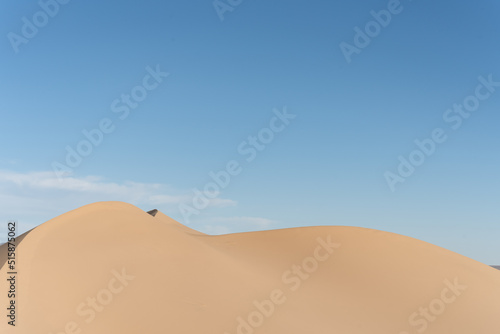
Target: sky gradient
[171,92]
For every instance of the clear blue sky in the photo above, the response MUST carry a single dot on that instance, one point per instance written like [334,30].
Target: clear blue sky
[326,167]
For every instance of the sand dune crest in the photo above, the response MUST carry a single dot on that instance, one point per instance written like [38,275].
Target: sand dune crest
[110,267]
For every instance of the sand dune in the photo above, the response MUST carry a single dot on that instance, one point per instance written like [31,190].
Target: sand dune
[110,267]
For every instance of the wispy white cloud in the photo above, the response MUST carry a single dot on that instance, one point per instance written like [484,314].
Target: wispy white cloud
[215,229]
[15,184]
[238,220]
[89,184]
[224,225]
[35,197]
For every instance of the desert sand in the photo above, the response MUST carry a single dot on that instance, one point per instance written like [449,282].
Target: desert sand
[110,267]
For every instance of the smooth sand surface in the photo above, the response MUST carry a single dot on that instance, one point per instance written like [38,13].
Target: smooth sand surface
[110,267]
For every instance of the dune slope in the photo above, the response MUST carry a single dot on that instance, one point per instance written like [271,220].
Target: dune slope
[110,267]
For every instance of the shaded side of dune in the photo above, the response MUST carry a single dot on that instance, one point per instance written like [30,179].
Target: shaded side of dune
[3,248]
